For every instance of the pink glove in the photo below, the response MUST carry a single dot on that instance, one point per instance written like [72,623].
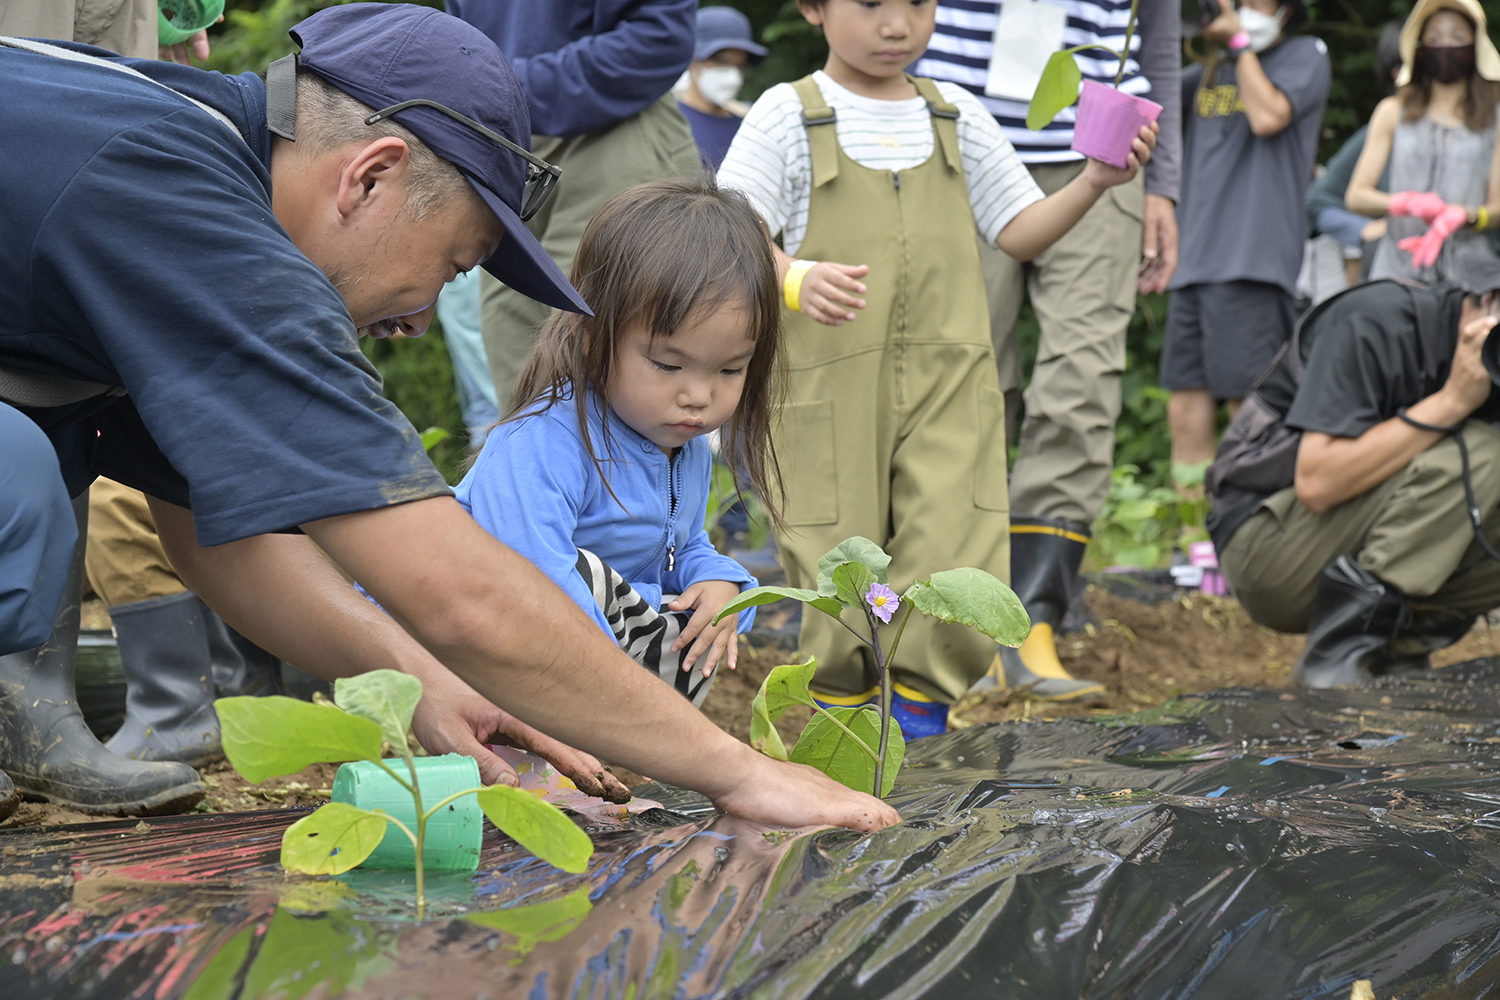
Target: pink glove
[1423,205]
[1424,249]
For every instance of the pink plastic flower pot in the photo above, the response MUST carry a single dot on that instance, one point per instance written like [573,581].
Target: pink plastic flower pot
[1108,121]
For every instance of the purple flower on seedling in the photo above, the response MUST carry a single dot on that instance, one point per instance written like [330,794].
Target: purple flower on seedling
[883,601]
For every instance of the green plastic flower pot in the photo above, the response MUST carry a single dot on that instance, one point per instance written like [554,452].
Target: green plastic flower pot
[179,20]
[453,833]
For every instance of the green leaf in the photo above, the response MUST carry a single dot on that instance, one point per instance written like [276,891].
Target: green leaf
[532,925]
[1057,89]
[757,596]
[852,580]
[540,827]
[828,748]
[385,697]
[332,840]
[434,436]
[858,550]
[972,597]
[269,737]
[783,687]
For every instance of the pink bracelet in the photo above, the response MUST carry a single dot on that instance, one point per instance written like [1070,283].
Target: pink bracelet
[1238,42]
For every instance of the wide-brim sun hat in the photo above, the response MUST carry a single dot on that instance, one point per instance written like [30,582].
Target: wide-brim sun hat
[1486,58]
[384,54]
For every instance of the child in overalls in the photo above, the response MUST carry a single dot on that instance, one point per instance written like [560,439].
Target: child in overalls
[894,427]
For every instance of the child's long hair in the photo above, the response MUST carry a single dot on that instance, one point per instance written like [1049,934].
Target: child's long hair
[655,254]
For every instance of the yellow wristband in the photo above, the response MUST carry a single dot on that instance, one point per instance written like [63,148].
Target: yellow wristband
[1481,218]
[792,286]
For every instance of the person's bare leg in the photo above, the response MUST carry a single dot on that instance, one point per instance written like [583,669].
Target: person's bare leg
[1190,415]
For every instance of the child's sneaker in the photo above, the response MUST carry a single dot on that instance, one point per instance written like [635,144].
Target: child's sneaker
[919,715]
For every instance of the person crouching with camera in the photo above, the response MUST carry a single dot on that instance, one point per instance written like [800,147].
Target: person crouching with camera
[1355,494]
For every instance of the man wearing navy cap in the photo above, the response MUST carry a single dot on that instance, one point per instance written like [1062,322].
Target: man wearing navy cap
[189,261]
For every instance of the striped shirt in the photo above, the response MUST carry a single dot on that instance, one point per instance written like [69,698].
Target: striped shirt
[960,53]
[770,160]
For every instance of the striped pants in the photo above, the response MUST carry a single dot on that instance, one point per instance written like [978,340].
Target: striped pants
[645,633]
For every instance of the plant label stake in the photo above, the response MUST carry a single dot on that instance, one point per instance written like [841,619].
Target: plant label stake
[843,742]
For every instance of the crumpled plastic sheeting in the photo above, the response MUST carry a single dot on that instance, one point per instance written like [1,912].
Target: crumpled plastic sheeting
[1241,844]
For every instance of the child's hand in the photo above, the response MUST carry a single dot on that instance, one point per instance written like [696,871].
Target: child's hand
[1101,175]
[830,290]
[706,598]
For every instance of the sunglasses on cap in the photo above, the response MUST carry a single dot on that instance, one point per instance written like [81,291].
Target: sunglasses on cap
[541,176]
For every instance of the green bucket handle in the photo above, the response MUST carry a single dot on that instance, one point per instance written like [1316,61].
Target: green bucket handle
[453,833]
[179,20]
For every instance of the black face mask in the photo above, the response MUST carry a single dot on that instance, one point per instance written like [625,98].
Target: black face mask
[1446,63]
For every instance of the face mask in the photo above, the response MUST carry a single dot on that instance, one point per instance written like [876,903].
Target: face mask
[1446,63]
[719,84]
[1263,29]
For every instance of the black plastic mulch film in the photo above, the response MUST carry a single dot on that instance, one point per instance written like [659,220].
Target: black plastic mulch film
[1246,843]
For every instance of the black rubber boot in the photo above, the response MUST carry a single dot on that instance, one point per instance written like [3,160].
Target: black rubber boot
[1355,619]
[241,668]
[1432,628]
[169,692]
[46,747]
[9,797]
[1044,559]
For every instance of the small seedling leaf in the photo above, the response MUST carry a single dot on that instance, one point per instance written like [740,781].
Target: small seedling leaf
[756,596]
[858,550]
[972,597]
[783,687]
[540,827]
[540,922]
[269,737]
[852,581]
[332,840]
[1057,89]
[434,436]
[387,698]
[828,748]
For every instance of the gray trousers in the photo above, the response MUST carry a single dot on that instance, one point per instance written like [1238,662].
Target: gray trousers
[1412,531]
[1082,289]
[651,145]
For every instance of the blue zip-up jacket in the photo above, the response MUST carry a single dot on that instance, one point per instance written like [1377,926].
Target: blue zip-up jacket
[588,64]
[535,488]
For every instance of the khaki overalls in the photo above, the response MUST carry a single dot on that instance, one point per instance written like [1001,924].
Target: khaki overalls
[895,426]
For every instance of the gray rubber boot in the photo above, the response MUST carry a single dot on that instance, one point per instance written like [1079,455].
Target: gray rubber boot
[169,692]
[46,747]
[9,797]
[241,668]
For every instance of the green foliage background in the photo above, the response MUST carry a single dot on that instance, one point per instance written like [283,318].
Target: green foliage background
[418,373]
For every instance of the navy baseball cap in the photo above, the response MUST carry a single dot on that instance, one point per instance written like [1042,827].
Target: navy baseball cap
[721,28]
[385,54]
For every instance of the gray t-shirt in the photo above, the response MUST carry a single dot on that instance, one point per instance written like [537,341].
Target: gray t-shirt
[1242,213]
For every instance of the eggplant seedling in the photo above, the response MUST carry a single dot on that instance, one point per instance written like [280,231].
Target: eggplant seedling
[863,747]
[270,737]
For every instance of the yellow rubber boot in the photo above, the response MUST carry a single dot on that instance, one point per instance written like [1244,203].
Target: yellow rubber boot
[1044,559]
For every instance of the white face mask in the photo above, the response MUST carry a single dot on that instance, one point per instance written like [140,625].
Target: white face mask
[1263,29]
[719,84]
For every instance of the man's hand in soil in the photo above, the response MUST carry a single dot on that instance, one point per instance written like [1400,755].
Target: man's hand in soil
[716,641]
[454,718]
[778,793]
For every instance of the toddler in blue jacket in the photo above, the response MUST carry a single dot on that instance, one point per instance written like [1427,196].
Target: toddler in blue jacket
[600,474]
